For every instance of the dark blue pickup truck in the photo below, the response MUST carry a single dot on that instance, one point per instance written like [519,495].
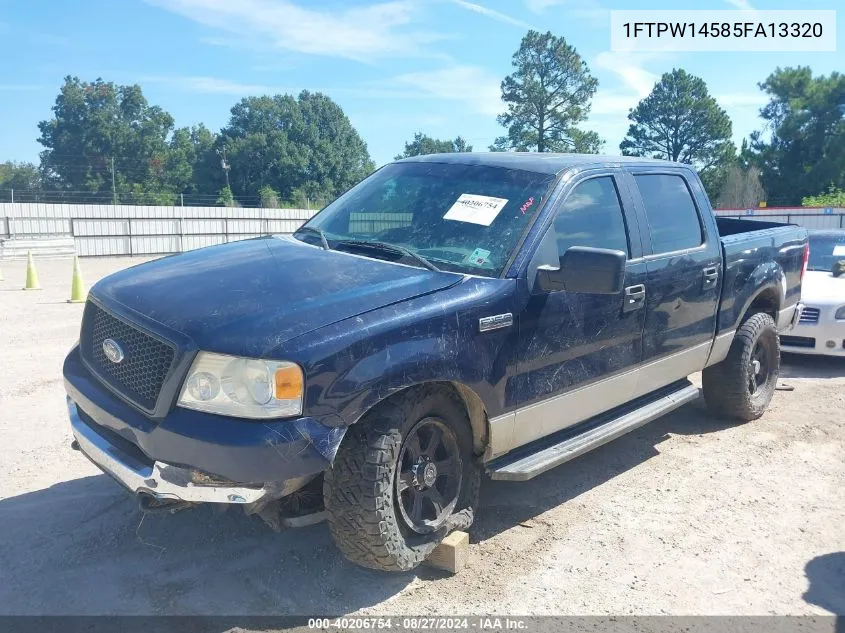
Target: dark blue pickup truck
[448,315]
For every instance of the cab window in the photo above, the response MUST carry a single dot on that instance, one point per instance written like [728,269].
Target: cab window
[672,216]
[592,216]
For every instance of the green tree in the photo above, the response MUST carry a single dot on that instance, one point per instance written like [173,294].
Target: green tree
[804,150]
[20,176]
[715,176]
[680,121]
[226,198]
[192,166]
[269,197]
[833,197]
[547,96]
[292,143]
[424,144]
[101,131]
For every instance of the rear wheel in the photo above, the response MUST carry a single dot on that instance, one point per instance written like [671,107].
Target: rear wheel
[399,476]
[742,385]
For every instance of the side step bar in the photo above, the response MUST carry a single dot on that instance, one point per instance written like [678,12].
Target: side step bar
[523,466]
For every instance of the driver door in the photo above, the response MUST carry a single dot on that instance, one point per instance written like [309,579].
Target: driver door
[577,352]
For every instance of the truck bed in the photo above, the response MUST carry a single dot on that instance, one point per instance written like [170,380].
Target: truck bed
[758,254]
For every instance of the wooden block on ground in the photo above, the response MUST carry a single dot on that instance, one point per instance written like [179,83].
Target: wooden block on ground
[452,554]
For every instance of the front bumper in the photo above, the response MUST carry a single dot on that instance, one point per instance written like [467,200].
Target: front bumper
[827,337]
[159,480]
[187,450]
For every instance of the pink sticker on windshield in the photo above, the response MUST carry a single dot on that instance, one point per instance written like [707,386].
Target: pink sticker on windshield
[527,204]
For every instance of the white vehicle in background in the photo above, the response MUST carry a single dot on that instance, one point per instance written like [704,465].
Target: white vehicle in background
[821,328]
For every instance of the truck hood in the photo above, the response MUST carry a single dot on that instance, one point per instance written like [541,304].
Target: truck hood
[820,288]
[251,296]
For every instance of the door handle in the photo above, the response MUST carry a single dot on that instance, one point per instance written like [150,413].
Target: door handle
[711,277]
[634,298]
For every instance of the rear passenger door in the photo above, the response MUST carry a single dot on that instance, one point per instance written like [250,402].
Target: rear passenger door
[684,266]
[571,342]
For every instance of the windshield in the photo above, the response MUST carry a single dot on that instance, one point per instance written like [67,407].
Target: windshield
[824,250]
[465,218]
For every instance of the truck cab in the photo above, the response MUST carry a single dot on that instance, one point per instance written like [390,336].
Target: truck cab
[449,315]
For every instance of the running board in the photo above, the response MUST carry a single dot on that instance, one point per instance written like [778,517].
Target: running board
[522,465]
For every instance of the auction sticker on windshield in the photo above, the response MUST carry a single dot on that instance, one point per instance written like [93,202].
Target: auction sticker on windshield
[470,207]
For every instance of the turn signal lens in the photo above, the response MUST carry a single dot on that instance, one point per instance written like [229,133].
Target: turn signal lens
[289,382]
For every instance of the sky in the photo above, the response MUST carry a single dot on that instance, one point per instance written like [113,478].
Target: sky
[395,67]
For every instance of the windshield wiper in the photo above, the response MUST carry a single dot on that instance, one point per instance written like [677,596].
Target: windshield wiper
[316,231]
[393,248]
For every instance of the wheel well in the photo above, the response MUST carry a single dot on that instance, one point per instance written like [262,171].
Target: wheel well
[474,406]
[767,302]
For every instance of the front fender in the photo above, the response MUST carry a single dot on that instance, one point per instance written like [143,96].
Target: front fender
[352,365]
[411,363]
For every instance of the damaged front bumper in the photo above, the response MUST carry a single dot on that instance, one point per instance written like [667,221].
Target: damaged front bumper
[190,456]
[161,481]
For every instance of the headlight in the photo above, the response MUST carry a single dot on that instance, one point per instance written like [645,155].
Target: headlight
[840,313]
[243,387]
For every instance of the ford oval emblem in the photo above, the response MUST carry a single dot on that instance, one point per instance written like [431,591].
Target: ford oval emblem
[112,350]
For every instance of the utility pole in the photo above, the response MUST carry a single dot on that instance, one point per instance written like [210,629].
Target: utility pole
[113,189]
[225,165]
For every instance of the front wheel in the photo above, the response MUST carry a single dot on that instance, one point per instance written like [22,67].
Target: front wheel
[399,476]
[742,385]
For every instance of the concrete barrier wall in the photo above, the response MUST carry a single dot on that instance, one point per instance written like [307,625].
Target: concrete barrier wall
[138,230]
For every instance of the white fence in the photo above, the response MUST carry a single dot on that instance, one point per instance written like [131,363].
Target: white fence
[103,229]
[815,218]
[141,230]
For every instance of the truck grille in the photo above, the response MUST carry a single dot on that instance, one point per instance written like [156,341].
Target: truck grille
[146,360]
[809,316]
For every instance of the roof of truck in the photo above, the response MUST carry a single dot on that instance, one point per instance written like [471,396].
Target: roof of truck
[544,163]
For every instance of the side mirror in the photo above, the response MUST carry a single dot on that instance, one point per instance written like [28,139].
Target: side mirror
[585,269]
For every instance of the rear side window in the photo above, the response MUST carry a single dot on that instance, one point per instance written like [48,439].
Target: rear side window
[592,216]
[672,217]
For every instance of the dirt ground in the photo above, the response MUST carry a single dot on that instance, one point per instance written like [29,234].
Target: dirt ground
[689,515]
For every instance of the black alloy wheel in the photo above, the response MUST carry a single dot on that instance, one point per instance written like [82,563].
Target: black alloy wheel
[428,476]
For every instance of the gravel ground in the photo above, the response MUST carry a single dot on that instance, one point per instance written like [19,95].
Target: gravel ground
[689,515]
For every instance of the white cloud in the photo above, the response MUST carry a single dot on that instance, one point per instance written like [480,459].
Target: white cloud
[628,67]
[742,100]
[610,107]
[477,88]
[361,33]
[220,85]
[490,13]
[613,103]
[745,5]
